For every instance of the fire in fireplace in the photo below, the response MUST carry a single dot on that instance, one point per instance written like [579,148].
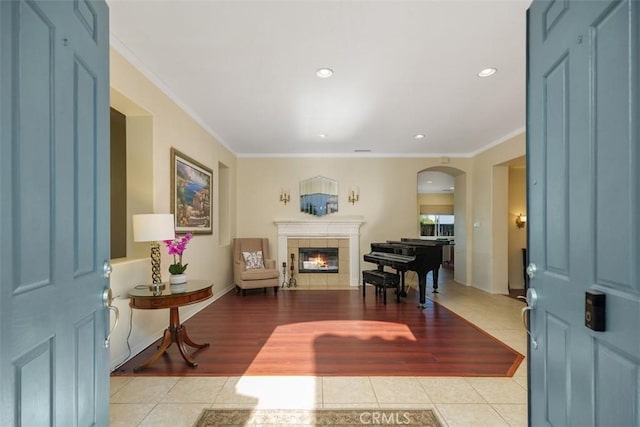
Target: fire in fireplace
[318,260]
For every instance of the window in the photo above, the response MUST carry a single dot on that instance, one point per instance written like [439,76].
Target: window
[437,225]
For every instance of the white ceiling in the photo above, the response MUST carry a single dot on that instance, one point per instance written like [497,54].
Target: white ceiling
[435,182]
[245,70]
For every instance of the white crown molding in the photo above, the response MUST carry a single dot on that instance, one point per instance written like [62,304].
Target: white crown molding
[127,54]
[499,141]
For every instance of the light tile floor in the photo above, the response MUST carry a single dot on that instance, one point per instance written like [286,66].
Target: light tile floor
[176,402]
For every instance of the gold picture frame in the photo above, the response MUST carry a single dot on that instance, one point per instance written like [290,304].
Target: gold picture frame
[191,195]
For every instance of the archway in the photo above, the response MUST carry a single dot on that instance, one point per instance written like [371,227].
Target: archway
[507,239]
[516,221]
[446,196]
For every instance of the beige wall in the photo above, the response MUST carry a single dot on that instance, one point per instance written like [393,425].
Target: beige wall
[489,214]
[517,236]
[389,205]
[462,212]
[154,125]
[172,127]
[388,188]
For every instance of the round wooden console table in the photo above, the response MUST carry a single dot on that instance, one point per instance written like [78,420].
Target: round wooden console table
[152,298]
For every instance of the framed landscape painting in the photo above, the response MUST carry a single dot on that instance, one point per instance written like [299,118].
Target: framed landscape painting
[191,184]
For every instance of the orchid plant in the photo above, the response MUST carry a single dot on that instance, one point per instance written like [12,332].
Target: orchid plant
[176,247]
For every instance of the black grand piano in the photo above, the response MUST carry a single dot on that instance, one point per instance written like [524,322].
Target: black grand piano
[416,255]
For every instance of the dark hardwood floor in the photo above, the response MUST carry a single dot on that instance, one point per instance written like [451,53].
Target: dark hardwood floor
[331,333]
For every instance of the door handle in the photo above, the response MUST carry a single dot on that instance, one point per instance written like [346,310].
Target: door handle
[532,301]
[107,269]
[531,270]
[107,299]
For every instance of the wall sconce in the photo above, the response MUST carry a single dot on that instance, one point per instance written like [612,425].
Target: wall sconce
[354,195]
[285,196]
[521,221]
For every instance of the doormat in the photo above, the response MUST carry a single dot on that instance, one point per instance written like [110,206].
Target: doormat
[316,417]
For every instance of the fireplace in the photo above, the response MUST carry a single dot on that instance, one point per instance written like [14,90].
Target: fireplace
[322,233]
[318,260]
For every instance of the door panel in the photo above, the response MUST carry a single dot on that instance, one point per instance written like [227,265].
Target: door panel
[85,109]
[620,403]
[553,13]
[54,216]
[33,146]
[556,364]
[556,98]
[583,187]
[85,353]
[34,380]
[88,17]
[611,42]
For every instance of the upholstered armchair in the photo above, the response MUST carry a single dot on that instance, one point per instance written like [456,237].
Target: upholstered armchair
[252,267]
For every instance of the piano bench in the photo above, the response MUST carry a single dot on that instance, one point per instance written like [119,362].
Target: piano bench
[382,280]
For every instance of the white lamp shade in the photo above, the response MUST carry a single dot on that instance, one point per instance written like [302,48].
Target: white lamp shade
[153,227]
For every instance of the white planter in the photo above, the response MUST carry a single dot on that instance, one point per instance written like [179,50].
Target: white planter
[178,279]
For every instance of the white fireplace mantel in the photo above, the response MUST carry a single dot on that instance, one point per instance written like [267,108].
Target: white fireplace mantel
[340,228]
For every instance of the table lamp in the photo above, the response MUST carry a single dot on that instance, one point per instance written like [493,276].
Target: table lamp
[153,228]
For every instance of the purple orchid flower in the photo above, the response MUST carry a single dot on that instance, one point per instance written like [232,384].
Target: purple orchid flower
[176,248]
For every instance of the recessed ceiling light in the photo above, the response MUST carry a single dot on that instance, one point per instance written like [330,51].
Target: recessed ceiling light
[419,136]
[452,188]
[429,182]
[487,72]
[323,136]
[323,73]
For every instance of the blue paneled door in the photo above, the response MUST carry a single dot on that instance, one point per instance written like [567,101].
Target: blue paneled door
[54,220]
[583,154]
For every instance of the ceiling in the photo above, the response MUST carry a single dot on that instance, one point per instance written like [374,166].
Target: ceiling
[435,182]
[246,71]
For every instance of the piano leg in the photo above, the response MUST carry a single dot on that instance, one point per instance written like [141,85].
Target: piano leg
[422,287]
[403,292]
